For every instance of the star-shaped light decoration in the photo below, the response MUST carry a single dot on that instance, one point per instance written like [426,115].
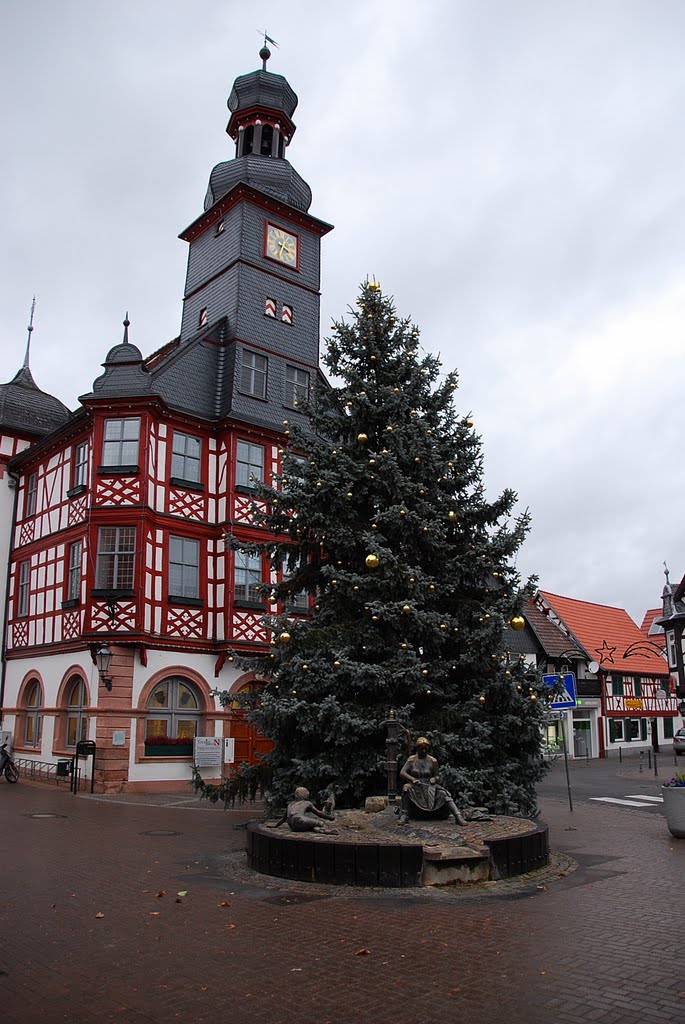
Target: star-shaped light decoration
[605,652]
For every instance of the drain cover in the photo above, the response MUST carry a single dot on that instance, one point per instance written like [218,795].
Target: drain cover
[161,832]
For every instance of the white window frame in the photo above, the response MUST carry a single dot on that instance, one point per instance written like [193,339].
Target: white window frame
[184,567]
[249,466]
[80,478]
[671,644]
[122,557]
[186,456]
[296,385]
[247,577]
[121,441]
[23,587]
[31,494]
[253,373]
[74,571]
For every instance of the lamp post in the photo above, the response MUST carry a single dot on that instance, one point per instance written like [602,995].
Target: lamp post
[391,746]
[103,660]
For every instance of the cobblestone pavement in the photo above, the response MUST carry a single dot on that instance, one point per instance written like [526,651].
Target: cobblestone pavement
[95,929]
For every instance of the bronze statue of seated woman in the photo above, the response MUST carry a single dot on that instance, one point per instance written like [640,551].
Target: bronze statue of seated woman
[421,789]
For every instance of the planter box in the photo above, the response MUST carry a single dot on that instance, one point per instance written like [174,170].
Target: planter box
[168,749]
[674,809]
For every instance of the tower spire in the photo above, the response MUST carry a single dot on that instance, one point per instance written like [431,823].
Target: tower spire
[127,324]
[30,332]
[265,52]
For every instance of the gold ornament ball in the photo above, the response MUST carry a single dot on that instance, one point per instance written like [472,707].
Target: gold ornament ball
[518,622]
[406,607]
[284,637]
[452,514]
[372,561]
[362,438]
[482,699]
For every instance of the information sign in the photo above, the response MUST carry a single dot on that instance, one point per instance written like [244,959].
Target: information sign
[567,699]
[229,750]
[207,751]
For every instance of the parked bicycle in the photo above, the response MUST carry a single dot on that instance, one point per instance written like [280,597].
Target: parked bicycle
[7,765]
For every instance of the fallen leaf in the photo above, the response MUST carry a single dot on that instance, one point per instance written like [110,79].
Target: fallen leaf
[362,952]
[293,969]
[183,892]
[223,904]
[160,893]
[153,913]
[543,972]
[99,914]
[230,926]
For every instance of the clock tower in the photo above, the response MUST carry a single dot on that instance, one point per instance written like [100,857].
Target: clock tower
[254,263]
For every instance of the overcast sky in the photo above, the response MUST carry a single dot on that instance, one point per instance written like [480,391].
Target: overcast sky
[512,171]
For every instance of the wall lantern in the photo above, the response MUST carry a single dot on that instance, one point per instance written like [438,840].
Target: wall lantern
[103,660]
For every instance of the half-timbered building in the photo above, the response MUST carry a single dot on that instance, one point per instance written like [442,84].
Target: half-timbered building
[628,694]
[117,531]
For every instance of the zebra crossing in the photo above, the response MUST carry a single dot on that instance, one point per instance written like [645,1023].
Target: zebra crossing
[634,800]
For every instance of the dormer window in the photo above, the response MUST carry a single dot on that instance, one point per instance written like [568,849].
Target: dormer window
[220,226]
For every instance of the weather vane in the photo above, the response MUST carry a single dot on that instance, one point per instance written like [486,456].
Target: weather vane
[267,39]
[265,52]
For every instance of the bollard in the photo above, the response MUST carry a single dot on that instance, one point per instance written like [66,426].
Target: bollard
[641,760]
[655,768]
[620,756]
[649,758]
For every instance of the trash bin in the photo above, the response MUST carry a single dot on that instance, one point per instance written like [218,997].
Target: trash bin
[62,769]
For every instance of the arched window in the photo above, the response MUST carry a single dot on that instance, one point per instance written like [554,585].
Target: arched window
[33,720]
[77,718]
[173,711]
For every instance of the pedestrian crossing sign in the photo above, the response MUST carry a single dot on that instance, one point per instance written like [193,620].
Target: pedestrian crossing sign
[567,699]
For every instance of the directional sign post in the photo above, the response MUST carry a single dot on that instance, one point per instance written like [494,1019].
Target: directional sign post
[561,702]
[564,700]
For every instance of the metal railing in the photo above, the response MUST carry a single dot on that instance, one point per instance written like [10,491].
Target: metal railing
[42,771]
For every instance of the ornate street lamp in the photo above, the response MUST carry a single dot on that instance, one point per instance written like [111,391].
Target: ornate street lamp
[103,660]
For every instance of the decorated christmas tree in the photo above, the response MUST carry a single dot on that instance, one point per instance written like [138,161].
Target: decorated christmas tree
[380,517]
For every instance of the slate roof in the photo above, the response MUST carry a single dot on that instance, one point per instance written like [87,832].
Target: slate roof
[274,175]
[607,634]
[265,89]
[27,409]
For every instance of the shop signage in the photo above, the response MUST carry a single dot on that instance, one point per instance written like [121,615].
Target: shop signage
[207,751]
[634,704]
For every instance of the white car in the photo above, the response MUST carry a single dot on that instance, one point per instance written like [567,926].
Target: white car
[679,741]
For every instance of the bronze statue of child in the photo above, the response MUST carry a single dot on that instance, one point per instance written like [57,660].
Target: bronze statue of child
[303,816]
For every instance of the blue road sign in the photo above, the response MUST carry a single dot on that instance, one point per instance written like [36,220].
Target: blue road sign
[567,699]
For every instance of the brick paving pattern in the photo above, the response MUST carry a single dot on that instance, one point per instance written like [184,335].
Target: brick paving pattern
[600,944]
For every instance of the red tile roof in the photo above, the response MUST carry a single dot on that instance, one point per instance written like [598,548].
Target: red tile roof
[654,633]
[553,642]
[608,634]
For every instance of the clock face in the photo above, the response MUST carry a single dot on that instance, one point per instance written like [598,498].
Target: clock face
[281,245]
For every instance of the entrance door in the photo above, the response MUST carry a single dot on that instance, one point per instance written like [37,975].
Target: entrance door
[582,746]
[250,745]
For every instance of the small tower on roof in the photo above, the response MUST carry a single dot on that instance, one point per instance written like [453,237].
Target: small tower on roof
[24,408]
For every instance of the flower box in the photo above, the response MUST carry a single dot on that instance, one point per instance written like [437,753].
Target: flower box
[168,746]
